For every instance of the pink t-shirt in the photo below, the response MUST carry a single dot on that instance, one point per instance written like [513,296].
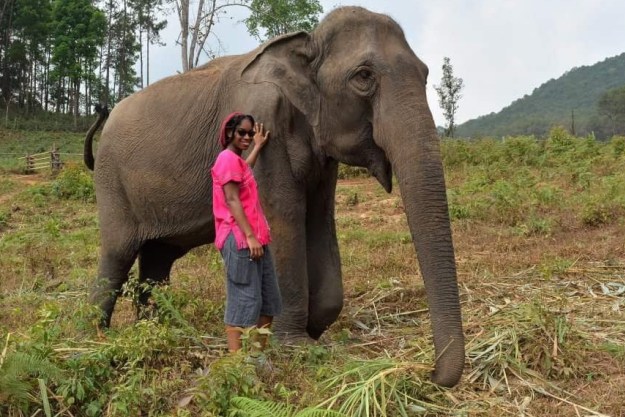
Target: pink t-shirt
[231,167]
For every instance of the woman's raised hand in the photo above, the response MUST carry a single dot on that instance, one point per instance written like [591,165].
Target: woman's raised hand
[260,138]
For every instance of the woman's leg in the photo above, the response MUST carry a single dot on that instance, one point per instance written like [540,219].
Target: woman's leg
[233,337]
[243,292]
[264,322]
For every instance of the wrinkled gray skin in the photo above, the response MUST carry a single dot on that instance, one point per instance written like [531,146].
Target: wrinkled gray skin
[351,91]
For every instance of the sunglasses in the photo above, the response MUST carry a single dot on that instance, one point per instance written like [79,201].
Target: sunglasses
[243,132]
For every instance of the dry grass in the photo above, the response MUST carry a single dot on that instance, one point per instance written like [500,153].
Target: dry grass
[543,313]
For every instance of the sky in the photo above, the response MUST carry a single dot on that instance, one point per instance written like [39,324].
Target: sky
[502,49]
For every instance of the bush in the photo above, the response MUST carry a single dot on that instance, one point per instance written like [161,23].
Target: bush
[347,171]
[523,150]
[617,143]
[74,183]
[597,213]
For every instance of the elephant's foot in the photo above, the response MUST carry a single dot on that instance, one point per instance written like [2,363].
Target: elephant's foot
[294,338]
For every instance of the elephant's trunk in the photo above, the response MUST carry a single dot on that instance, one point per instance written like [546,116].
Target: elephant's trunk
[416,161]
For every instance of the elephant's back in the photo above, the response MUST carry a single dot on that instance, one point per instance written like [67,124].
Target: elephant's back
[156,149]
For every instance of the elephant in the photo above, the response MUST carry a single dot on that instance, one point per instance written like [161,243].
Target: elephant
[351,91]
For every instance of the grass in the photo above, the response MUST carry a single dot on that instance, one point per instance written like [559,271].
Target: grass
[15,144]
[538,229]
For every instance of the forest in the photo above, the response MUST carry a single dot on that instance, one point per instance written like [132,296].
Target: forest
[64,56]
[584,100]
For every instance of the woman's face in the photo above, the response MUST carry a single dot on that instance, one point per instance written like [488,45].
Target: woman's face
[243,136]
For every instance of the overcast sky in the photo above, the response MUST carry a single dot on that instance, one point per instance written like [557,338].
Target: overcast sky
[502,49]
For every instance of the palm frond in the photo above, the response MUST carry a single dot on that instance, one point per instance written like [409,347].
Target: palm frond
[383,388]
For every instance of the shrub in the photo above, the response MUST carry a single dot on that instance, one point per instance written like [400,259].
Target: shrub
[74,183]
[523,150]
[225,379]
[597,213]
[347,171]
[559,141]
[4,219]
[617,143]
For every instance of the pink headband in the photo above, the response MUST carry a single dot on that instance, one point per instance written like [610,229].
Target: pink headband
[222,129]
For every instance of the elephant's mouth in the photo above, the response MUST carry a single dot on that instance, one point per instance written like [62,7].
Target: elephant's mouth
[378,164]
[383,172]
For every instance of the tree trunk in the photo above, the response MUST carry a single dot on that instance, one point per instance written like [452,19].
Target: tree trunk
[108,56]
[141,55]
[147,48]
[196,32]
[183,16]
[6,85]
[46,76]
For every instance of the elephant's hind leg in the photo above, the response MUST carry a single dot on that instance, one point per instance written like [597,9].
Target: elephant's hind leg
[155,262]
[113,270]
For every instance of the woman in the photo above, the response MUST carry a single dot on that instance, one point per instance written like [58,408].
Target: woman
[242,232]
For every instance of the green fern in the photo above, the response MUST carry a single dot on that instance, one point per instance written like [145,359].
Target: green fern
[248,407]
[15,370]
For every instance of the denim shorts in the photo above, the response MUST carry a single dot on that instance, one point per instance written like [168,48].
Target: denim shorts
[251,286]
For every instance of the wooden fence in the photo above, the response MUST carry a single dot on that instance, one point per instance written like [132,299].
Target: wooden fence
[44,160]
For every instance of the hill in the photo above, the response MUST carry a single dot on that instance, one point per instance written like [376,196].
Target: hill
[553,103]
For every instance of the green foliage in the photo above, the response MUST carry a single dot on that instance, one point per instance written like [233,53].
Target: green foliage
[612,105]
[514,181]
[571,100]
[74,182]
[19,374]
[248,407]
[224,379]
[4,219]
[347,171]
[277,17]
[597,212]
[617,143]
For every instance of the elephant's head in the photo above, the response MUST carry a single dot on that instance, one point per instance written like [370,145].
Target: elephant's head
[361,89]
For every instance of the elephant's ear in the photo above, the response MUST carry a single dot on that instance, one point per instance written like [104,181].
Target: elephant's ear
[286,62]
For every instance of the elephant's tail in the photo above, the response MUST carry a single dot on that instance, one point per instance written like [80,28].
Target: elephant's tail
[103,113]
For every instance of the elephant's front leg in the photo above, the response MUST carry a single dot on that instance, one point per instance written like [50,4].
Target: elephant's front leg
[288,246]
[324,263]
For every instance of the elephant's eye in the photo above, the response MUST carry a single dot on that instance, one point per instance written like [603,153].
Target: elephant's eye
[364,81]
[365,74]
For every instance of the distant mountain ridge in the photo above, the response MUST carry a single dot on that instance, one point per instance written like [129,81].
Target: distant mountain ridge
[577,92]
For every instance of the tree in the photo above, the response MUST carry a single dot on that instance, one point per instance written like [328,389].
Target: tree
[449,93]
[25,33]
[278,17]
[195,28]
[274,17]
[612,105]
[148,12]
[78,31]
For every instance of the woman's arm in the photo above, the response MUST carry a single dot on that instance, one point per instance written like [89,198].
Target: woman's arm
[231,191]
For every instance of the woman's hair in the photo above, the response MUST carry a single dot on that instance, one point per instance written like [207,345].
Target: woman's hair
[232,124]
